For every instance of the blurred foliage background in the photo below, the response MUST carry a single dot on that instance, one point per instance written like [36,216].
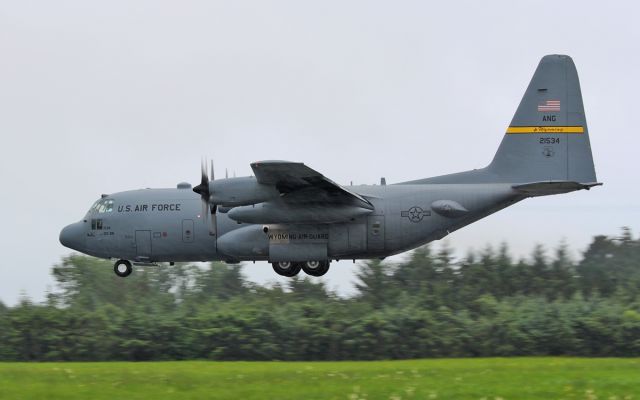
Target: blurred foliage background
[487,304]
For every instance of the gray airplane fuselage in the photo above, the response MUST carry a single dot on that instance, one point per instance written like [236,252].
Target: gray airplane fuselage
[155,225]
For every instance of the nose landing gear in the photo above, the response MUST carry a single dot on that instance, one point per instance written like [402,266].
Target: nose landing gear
[122,268]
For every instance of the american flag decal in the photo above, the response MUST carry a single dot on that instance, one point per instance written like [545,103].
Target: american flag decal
[549,105]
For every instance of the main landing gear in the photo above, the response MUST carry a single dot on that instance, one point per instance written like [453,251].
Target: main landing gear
[122,268]
[289,269]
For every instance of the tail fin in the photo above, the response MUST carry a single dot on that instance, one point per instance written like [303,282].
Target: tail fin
[547,139]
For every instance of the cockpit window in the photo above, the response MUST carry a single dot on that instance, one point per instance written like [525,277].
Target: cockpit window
[108,205]
[94,207]
[102,206]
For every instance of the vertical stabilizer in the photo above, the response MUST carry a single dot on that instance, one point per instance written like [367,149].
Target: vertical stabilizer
[547,139]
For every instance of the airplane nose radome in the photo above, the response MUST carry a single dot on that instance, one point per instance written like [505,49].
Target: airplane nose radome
[72,236]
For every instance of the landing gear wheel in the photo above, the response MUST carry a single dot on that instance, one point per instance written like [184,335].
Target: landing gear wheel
[315,268]
[122,268]
[286,268]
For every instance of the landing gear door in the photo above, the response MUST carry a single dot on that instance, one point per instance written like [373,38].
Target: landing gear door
[375,232]
[143,244]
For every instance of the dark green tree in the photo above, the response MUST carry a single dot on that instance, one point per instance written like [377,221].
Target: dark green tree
[374,285]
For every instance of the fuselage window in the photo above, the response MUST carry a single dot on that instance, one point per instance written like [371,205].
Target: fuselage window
[96,224]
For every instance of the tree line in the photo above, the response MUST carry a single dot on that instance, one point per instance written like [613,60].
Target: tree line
[486,304]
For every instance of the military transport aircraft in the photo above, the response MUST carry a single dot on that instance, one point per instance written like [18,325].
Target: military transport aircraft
[298,219]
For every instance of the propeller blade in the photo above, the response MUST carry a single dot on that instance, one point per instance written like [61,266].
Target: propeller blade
[203,189]
[205,211]
[213,229]
[203,171]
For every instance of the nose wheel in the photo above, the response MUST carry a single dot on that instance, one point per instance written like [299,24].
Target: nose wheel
[122,268]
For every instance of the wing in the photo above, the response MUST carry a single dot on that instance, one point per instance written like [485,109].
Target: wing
[301,184]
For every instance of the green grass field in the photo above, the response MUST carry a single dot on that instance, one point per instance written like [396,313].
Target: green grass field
[490,379]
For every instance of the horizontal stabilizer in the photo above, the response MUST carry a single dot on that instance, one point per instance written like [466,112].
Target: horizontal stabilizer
[546,188]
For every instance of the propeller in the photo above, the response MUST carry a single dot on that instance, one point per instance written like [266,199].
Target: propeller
[203,188]
[205,195]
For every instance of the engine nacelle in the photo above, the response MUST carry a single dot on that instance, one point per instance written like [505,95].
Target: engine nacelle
[243,191]
[248,243]
[279,213]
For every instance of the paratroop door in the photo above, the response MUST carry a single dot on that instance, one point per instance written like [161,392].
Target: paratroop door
[143,244]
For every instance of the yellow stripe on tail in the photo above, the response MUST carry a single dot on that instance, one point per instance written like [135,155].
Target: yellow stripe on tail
[544,129]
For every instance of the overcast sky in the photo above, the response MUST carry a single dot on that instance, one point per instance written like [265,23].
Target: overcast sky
[100,97]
